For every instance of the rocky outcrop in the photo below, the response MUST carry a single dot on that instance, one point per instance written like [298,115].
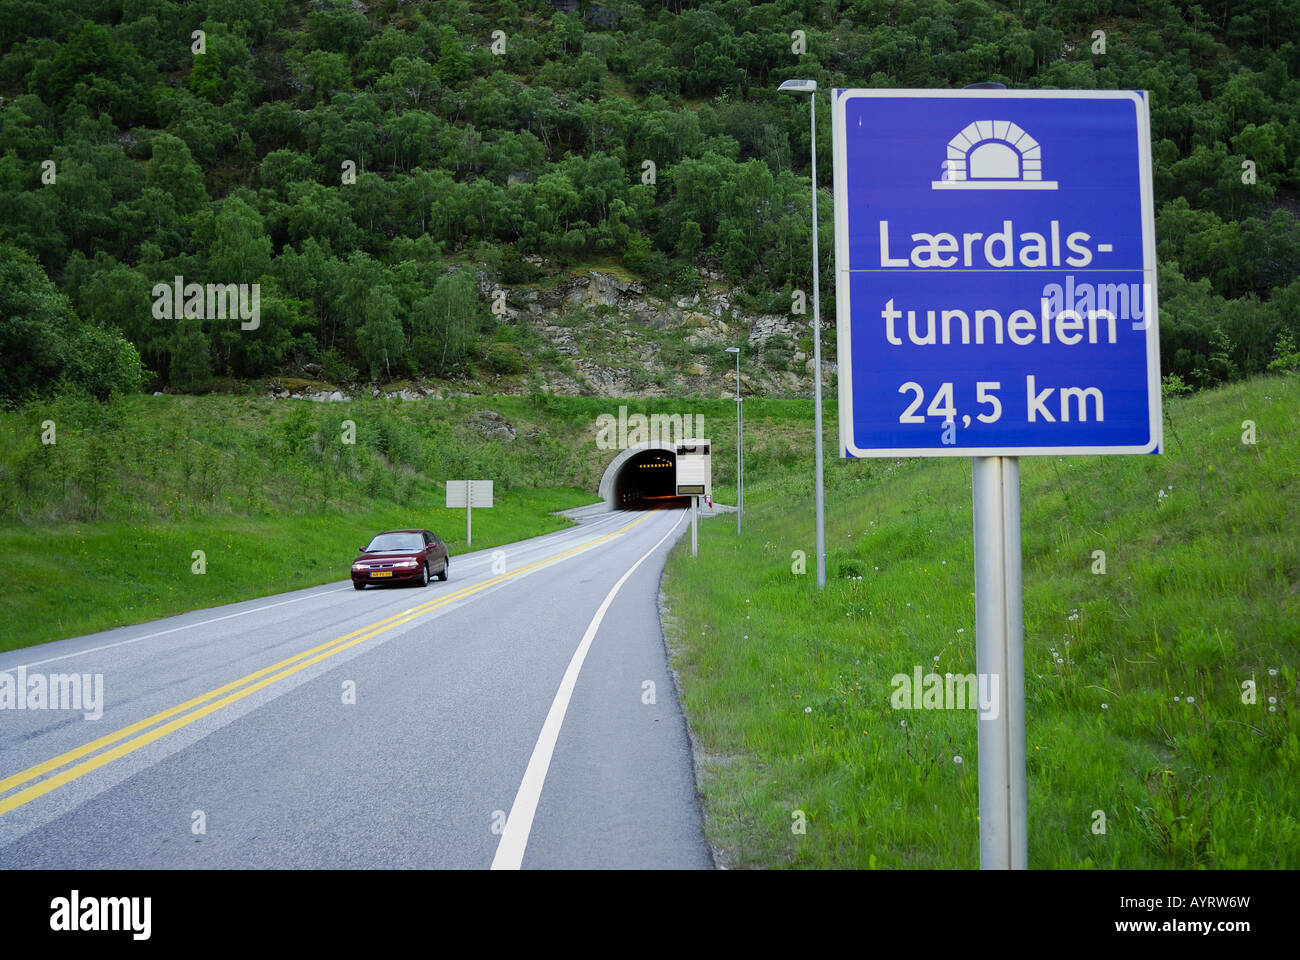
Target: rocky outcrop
[492,425]
[770,326]
[703,320]
[614,337]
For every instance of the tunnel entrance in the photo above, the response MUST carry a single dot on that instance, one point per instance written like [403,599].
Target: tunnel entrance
[646,480]
[641,478]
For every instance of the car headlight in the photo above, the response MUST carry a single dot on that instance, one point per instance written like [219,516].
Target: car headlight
[407,563]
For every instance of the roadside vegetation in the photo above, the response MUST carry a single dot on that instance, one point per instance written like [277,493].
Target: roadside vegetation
[103,504]
[1134,677]
[379,169]
[378,172]
[68,579]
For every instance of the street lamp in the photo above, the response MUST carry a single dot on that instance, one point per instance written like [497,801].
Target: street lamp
[810,87]
[740,447]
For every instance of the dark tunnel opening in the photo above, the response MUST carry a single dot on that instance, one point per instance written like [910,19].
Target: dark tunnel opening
[647,480]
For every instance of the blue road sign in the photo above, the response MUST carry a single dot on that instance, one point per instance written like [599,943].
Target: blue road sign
[995,273]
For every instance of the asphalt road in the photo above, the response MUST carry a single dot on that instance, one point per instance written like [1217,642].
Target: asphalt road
[492,720]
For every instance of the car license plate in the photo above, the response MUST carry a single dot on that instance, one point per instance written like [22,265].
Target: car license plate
[381,573]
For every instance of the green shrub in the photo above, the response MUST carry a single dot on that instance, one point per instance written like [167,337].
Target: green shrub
[505,358]
[1285,355]
[335,368]
[44,342]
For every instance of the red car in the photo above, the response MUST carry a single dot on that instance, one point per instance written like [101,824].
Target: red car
[408,556]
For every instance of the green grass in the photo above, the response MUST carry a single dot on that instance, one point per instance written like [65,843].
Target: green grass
[98,529]
[788,690]
[110,574]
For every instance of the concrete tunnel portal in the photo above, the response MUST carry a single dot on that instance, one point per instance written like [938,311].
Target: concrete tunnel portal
[642,477]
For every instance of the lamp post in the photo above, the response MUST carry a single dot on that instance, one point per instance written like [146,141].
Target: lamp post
[740,447]
[810,87]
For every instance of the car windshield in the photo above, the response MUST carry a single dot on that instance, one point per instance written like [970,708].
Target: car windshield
[387,542]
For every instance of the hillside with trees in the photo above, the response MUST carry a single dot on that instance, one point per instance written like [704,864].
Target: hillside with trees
[380,169]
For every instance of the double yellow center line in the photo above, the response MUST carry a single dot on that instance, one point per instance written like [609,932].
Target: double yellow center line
[174,718]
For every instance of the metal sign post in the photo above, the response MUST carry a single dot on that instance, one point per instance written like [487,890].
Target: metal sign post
[999,653]
[469,494]
[740,460]
[995,290]
[740,445]
[695,519]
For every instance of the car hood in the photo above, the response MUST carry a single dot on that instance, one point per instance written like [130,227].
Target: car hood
[387,556]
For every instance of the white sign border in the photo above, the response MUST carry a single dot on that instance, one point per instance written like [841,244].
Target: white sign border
[844,346]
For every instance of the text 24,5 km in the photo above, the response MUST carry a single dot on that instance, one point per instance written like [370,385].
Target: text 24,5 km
[1050,404]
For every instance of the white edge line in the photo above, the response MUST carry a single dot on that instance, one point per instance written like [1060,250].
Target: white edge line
[188,626]
[546,565]
[519,824]
[243,613]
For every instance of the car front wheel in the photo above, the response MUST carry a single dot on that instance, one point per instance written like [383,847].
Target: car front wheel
[424,574]
[446,568]
[358,586]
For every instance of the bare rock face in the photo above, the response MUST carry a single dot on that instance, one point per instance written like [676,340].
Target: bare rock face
[601,289]
[649,316]
[771,326]
[700,320]
[492,425]
[610,288]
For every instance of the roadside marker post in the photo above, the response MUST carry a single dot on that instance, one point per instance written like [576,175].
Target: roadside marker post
[995,290]
[469,494]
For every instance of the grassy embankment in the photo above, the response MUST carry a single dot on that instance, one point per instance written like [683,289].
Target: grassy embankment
[99,528]
[1133,676]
